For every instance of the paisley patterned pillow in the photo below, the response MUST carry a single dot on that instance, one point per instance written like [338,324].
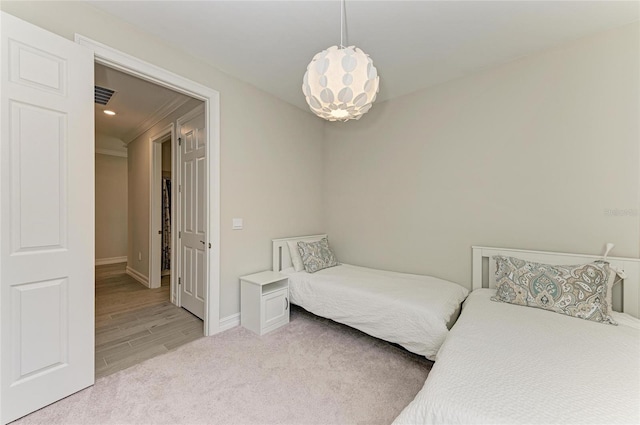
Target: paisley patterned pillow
[316,255]
[582,291]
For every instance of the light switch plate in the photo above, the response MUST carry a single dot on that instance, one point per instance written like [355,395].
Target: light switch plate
[236,224]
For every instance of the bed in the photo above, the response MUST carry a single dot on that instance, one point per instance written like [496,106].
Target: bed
[413,311]
[505,363]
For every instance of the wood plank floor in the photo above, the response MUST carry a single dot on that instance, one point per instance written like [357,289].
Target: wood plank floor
[135,323]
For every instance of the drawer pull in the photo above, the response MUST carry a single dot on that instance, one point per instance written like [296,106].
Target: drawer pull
[287,300]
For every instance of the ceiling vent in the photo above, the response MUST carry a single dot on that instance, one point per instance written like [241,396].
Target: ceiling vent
[103,95]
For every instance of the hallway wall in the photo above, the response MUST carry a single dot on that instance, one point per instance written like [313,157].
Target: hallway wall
[111,208]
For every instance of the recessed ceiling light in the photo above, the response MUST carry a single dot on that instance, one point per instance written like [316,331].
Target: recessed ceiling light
[108,112]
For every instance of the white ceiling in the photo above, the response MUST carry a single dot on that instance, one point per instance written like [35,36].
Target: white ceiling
[414,44]
[138,104]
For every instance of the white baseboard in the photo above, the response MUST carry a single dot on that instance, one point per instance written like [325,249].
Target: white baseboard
[229,322]
[111,260]
[138,276]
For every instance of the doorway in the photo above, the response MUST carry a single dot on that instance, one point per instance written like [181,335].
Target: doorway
[110,57]
[166,212]
[162,210]
[136,318]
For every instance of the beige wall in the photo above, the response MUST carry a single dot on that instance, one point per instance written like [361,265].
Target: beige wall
[271,177]
[527,155]
[270,150]
[110,145]
[111,206]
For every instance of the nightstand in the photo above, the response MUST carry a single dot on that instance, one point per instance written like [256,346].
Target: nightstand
[264,301]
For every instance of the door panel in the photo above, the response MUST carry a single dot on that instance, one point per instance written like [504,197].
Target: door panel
[201,182]
[274,307]
[38,219]
[31,66]
[46,218]
[39,345]
[193,219]
[200,278]
[274,310]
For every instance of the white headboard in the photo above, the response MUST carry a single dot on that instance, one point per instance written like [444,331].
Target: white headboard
[281,257]
[631,266]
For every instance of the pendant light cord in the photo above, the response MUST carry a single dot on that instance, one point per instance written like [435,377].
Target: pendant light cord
[342,24]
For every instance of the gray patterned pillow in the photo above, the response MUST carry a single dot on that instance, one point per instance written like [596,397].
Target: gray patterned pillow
[316,255]
[582,291]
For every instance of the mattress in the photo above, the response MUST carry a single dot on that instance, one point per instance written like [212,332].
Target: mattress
[503,363]
[413,311]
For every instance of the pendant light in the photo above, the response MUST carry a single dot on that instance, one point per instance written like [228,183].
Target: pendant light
[341,82]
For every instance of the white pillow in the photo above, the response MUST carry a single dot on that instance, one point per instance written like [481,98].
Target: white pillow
[296,259]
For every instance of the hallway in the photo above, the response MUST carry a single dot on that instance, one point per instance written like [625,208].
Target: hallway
[135,323]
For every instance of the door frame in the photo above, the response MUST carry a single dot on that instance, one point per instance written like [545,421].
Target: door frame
[155,205]
[131,65]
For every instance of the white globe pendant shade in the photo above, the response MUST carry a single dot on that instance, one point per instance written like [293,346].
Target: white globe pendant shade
[341,83]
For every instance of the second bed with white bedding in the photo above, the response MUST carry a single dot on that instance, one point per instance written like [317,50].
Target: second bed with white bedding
[414,311]
[504,363]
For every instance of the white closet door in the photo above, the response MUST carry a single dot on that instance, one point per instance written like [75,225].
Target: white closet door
[193,217]
[46,218]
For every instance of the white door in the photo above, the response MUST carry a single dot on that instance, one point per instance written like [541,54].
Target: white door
[46,218]
[193,211]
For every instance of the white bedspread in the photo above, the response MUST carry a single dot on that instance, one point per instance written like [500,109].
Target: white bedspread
[411,310]
[503,363]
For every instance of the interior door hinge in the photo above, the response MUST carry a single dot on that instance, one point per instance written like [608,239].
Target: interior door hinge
[180,188]
[179,141]
[179,235]
[179,281]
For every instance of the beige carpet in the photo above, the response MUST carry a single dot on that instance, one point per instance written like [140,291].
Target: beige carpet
[312,371]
